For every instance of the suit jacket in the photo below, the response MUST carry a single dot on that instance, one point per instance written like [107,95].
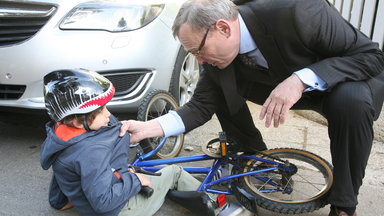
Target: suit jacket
[291,35]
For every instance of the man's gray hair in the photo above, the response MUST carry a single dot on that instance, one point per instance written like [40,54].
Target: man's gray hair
[201,14]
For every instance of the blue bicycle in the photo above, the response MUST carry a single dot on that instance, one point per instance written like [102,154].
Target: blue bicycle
[283,180]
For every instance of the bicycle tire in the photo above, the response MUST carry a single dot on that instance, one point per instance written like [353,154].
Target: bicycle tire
[248,190]
[155,104]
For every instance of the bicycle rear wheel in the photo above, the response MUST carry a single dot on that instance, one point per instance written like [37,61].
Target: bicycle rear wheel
[304,190]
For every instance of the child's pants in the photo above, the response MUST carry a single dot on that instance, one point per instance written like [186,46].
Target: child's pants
[172,178]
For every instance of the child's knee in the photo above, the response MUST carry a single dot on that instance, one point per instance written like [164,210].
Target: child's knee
[171,172]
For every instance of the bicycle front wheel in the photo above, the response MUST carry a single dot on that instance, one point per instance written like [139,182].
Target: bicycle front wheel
[155,104]
[301,191]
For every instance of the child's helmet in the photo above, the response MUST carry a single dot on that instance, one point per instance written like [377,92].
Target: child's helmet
[78,91]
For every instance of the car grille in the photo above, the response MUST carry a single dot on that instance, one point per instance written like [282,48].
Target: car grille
[21,20]
[128,84]
[11,92]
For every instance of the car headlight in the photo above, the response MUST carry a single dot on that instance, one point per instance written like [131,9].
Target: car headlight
[110,16]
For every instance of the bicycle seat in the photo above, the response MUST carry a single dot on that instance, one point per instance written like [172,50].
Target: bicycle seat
[196,201]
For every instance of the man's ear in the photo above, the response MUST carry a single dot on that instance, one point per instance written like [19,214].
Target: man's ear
[223,27]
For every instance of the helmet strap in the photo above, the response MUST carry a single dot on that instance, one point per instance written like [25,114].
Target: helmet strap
[85,124]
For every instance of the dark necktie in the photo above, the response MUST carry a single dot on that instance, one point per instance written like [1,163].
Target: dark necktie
[250,62]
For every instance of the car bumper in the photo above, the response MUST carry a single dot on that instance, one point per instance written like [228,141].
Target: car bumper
[138,54]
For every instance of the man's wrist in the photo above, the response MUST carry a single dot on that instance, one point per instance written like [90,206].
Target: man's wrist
[311,80]
[153,129]
[171,124]
[302,85]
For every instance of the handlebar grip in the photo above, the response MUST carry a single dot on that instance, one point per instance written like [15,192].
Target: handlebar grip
[146,191]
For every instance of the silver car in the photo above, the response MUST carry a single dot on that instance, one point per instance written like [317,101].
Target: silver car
[128,41]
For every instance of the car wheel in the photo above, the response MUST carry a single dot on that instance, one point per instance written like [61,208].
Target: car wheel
[184,77]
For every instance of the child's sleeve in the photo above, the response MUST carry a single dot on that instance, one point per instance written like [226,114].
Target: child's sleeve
[104,191]
[56,198]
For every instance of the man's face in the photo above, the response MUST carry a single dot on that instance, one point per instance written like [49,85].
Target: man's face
[217,46]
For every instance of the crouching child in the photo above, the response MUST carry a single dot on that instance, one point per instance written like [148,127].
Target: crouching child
[89,159]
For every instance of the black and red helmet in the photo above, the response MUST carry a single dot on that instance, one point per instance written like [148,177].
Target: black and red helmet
[77,91]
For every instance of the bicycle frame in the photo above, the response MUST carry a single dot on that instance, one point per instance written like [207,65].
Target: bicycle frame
[150,165]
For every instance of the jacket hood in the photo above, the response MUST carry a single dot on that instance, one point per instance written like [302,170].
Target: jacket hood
[53,145]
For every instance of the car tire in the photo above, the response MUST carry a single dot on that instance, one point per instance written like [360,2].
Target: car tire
[184,76]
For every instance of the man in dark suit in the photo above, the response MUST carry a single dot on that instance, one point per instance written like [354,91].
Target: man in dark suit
[282,54]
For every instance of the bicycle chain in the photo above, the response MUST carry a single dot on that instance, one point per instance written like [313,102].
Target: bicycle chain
[273,157]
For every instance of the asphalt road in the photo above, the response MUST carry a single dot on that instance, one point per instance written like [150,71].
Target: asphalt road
[24,184]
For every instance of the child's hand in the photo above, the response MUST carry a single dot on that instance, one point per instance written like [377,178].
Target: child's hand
[144,180]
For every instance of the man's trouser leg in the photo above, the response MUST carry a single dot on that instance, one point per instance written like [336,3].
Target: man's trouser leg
[350,113]
[241,127]
[172,177]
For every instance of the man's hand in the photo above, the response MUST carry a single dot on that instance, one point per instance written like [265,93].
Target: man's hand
[281,99]
[141,130]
